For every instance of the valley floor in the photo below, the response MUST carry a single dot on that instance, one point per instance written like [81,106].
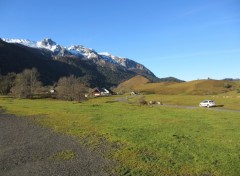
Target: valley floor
[176,138]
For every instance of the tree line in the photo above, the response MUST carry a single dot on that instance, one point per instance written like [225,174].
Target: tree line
[28,85]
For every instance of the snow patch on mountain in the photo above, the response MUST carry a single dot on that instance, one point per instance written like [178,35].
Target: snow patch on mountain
[25,42]
[48,44]
[80,50]
[125,62]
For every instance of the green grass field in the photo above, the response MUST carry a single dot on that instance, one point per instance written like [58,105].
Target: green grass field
[228,101]
[145,140]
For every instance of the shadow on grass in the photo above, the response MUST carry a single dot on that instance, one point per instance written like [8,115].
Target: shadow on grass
[219,105]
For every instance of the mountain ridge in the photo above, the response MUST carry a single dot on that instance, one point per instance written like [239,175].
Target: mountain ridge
[55,61]
[82,52]
[15,57]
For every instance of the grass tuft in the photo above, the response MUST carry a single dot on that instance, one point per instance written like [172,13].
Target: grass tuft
[63,155]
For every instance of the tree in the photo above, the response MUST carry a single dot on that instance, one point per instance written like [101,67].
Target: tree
[26,83]
[70,88]
[6,83]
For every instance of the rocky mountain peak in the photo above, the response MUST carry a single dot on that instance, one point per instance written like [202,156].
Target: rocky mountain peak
[48,42]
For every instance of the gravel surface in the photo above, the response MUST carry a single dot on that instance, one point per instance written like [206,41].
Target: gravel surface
[27,149]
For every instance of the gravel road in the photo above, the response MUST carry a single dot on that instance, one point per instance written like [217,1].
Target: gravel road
[27,149]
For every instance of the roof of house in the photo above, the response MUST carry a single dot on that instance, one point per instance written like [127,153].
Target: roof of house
[102,90]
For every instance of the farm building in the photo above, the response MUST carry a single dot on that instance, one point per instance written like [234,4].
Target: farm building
[101,92]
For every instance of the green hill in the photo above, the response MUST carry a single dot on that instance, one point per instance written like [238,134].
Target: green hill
[197,87]
[132,84]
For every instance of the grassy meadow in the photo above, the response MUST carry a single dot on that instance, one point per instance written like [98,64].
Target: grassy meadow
[146,140]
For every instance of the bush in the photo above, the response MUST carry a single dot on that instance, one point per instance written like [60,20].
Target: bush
[142,100]
[227,85]
[238,90]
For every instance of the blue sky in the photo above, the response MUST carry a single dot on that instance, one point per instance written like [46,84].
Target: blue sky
[187,39]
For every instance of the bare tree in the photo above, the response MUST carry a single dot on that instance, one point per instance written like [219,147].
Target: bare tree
[70,88]
[26,83]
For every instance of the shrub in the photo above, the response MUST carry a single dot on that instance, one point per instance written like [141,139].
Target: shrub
[238,90]
[227,85]
[142,100]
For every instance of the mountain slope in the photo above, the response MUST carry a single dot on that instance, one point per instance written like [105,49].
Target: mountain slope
[100,59]
[16,57]
[132,84]
[197,87]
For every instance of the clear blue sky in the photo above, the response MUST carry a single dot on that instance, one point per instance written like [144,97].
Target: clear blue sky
[187,39]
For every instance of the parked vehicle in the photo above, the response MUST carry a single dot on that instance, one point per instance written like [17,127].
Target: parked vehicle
[207,103]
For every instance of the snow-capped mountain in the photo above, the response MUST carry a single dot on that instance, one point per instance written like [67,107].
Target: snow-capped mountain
[83,53]
[47,43]
[125,62]
[21,41]
[80,50]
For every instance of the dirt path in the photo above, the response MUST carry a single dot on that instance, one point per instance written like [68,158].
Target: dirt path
[27,149]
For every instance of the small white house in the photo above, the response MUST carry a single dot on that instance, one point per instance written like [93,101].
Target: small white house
[133,93]
[52,91]
[101,92]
